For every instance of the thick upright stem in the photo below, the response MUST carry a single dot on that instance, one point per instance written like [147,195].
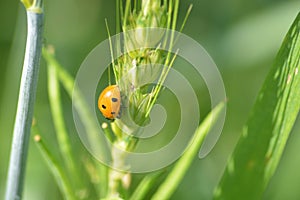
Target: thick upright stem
[26,101]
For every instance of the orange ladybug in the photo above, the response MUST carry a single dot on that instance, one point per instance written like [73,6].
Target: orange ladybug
[109,102]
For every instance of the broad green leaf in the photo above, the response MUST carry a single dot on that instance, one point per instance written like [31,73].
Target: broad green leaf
[172,181]
[260,147]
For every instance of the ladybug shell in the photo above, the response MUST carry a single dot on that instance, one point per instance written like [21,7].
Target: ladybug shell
[109,102]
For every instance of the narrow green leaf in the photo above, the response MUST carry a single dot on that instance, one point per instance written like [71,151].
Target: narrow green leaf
[185,18]
[68,83]
[59,124]
[126,14]
[145,186]
[111,54]
[90,124]
[168,187]
[260,147]
[55,167]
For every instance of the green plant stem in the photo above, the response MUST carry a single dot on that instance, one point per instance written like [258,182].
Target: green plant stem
[25,107]
[115,176]
[168,187]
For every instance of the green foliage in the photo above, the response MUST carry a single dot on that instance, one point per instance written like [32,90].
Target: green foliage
[168,187]
[142,64]
[94,170]
[140,57]
[260,147]
[145,186]
[254,160]
[139,64]
[58,119]
[54,165]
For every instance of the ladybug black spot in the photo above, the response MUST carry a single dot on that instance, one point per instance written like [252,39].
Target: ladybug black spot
[114,99]
[113,113]
[103,106]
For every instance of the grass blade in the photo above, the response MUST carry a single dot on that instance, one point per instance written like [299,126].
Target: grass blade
[58,119]
[90,124]
[186,17]
[168,187]
[54,166]
[145,186]
[68,83]
[260,147]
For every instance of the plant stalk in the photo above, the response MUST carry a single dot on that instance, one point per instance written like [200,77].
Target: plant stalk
[25,107]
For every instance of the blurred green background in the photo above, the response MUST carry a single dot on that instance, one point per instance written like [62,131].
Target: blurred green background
[242,37]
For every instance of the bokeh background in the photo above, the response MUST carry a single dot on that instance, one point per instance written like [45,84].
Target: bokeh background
[242,37]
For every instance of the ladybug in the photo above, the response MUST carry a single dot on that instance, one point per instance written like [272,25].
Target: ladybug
[109,102]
